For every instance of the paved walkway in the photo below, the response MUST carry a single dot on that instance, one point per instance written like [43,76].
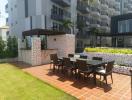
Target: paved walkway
[84,90]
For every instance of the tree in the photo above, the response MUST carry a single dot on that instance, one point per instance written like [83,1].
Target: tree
[2,48]
[12,47]
[67,24]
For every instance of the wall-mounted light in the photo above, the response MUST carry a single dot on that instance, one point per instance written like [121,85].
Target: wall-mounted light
[54,39]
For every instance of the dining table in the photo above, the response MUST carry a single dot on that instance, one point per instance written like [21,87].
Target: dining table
[92,63]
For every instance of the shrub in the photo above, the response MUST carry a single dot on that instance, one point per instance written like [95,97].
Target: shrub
[9,49]
[109,50]
[2,48]
[12,47]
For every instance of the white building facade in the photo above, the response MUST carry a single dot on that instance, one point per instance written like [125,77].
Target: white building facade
[32,14]
[4,32]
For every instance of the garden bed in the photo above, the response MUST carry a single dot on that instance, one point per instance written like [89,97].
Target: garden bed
[109,50]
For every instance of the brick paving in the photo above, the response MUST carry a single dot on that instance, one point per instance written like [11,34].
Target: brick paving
[84,89]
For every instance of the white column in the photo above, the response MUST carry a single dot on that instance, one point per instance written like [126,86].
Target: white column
[38,7]
[36,51]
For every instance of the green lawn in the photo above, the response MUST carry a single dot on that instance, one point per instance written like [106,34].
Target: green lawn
[17,85]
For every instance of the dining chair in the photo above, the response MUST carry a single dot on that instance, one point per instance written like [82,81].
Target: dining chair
[83,68]
[68,66]
[107,71]
[70,55]
[76,56]
[56,62]
[83,57]
[51,59]
[97,58]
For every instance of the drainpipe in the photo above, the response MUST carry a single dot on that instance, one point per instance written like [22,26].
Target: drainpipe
[131,82]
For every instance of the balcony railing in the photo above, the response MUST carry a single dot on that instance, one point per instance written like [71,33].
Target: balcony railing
[63,3]
[60,17]
[82,7]
[57,17]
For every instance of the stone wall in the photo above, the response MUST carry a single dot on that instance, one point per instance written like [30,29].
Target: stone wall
[65,44]
[60,44]
[45,56]
[25,56]
[36,51]
[121,59]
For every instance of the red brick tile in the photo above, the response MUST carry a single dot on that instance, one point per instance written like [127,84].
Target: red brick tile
[83,90]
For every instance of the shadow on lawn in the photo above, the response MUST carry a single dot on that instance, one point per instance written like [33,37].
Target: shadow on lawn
[21,65]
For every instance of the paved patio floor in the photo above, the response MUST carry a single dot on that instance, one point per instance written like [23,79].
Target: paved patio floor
[84,89]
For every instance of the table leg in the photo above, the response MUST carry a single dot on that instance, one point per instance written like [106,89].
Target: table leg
[94,76]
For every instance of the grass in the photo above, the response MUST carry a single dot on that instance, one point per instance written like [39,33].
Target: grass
[109,50]
[17,85]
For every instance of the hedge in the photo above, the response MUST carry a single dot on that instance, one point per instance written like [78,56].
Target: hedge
[109,50]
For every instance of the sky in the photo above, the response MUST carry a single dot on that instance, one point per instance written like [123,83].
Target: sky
[3,15]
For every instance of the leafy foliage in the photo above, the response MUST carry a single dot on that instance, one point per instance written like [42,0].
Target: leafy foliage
[2,48]
[9,49]
[109,50]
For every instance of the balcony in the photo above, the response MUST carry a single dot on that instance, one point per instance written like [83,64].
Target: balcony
[95,25]
[104,6]
[57,17]
[82,7]
[95,14]
[7,21]
[60,17]
[63,3]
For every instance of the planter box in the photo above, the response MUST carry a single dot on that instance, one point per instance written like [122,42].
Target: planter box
[120,59]
[8,60]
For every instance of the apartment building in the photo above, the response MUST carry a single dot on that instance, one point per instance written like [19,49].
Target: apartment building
[46,14]
[4,32]
[126,6]
[49,14]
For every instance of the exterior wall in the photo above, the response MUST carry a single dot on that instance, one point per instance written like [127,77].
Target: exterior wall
[65,44]
[128,41]
[45,56]
[3,33]
[25,56]
[121,59]
[36,51]
[60,44]
[39,14]
[106,41]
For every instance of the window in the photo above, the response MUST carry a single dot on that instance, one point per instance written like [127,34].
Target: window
[15,6]
[26,8]
[43,42]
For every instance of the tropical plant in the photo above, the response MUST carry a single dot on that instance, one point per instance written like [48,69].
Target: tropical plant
[67,24]
[12,47]
[2,48]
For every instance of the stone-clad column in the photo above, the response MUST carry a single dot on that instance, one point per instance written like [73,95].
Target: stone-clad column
[36,51]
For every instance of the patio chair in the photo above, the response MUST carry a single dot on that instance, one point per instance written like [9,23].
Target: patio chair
[70,55]
[83,68]
[51,59]
[97,58]
[106,72]
[77,56]
[68,66]
[83,57]
[100,59]
[55,61]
